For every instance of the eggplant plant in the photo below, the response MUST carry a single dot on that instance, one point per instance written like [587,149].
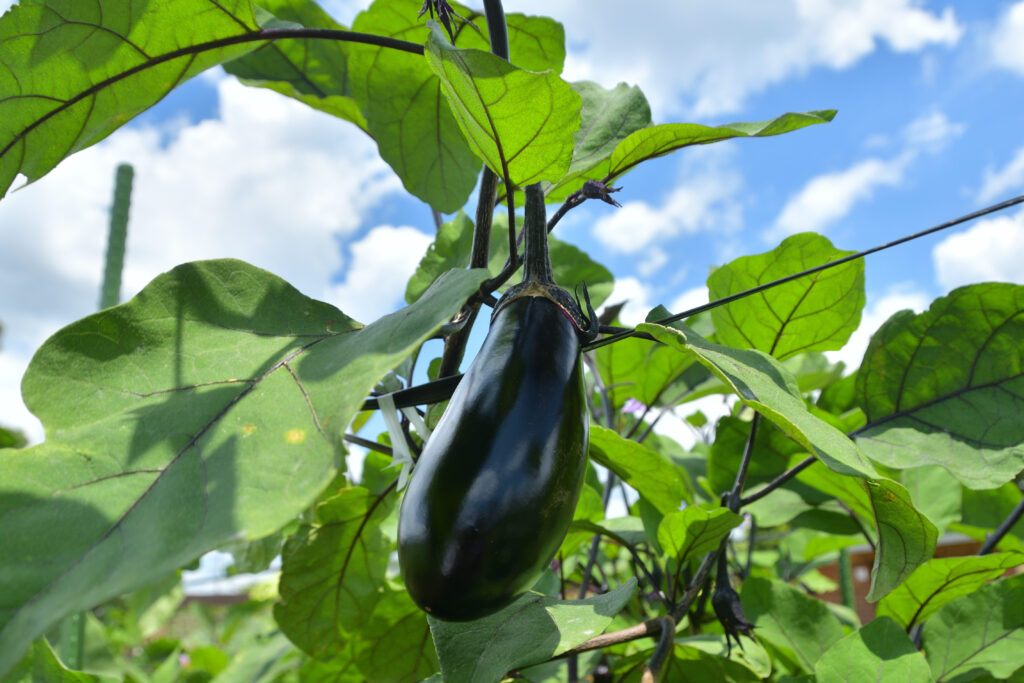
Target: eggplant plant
[212,410]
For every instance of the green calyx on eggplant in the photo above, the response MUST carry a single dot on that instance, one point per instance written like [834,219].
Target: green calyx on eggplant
[496,486]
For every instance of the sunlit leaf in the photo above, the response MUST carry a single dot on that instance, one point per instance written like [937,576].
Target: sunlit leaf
[395,644]
[652,474]
[942,580]
[946,387]
[816,312]
[878,651]
[516,120]
[532,629]
[209,408]
[695,531]
[657,141]
[762,383]
[312,71]
[73,72]
[790,619]
[982,632]
[332,571]
[405,111]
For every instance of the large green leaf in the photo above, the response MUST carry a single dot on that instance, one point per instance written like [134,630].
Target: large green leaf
[312,71]
[942,580]
[517,121]
[532,629]
[636,368]
[657,141]
[790,619]
[769,458]
[980,633]
[332,571]
[653,475]
[405,111]
[395,644]
[607,118]
[763,383]
[41,664]
[209,408]
[73,72]
[946,387]
[817,312]
[695,531]
[905,538]
[936,493]
[878,651]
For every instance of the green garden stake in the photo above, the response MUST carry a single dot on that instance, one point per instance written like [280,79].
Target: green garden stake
[110,292]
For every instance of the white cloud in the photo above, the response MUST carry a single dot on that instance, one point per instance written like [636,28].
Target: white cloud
[637,297]
[705,199]
[706,58]
[898,298]
[382,262]
[272,182]
[989,251]
[827,198]
[1007,40]
[656,258]
[1003,180]
[691,298]
[932,132]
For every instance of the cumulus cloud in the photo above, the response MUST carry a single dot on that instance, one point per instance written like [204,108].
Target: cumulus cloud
[827,198]
[898,298]
[637,296]
[989,251]
[1000,181]
[382,262]
[272,182]
[1007,41]
[705,59]
[705,199]
[691,298]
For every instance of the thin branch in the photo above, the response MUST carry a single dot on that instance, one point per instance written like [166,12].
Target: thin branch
[778,481]
[734,502]
[666,643]
[810,271]
[651,627]
[993,540]
[367,444]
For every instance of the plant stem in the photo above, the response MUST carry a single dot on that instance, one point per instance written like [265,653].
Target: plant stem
[666,642]
[537,266]
[846,579]
[993,540]
[779,481]
[367,444]
[734,501]
[810,271]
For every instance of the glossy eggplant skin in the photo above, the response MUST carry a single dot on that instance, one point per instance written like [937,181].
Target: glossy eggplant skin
[496,486]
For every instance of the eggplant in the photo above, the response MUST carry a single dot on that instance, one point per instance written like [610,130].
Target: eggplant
[495,488]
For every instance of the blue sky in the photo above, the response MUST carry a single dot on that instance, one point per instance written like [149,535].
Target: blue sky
[929,97]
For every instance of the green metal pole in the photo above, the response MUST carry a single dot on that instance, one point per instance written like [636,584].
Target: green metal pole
[110,293]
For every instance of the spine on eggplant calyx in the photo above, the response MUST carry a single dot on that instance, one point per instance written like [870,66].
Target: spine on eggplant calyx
[538,278]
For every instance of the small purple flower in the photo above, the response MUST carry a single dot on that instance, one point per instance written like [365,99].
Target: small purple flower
[634,406]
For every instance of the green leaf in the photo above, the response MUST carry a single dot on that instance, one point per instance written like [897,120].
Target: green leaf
[946,387]
[450,249]
[332,571]
[607,118]
[988,509]
[790,619]
[41,664]
[905,537]
[982,632]
[515,120]
[695,531]
[653,475]
[395,644]
[314,72]
[752,655]
[170,418]
[936,493]
[817,312]
[878,651]
[940,581]
[532,629]
[762,383]
[657,141]
[75,72]
[405,111]
[636,368]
